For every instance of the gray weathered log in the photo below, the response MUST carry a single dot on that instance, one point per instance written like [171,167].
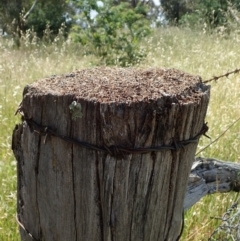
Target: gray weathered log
[66,192]
[209,176]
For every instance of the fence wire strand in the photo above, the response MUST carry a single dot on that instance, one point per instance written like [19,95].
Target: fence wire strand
[118,152]
[229,229]
[215,78]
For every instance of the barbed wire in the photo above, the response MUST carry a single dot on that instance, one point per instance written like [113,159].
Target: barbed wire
[114,150]
[215,78]
[215,140]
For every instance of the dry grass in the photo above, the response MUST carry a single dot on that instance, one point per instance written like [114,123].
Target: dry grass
[193,52]
[17,69]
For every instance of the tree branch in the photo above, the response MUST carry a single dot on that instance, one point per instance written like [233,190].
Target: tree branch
[209,176]
[30,10]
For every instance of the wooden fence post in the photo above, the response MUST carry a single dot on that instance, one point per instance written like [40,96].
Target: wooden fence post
[104,154]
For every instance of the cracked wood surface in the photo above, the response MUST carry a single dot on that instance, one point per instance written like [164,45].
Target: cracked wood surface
[70,193]
[209,176]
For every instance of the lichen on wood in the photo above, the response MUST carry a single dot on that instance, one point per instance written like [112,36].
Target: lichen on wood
[76,110]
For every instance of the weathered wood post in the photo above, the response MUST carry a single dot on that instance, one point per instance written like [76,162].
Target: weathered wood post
[104,154]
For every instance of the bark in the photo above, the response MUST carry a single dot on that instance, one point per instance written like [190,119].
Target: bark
[209,176]
[66,192]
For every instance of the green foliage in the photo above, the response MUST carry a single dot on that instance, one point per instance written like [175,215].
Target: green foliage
[114,34]
[10,12]
[45,13]
[51,13]
[213,13]
[174,9]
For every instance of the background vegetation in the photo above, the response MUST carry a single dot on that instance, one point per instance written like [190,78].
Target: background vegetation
[191,44]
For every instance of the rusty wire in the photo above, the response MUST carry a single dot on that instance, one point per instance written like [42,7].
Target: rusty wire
[215,78]
[114,150]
